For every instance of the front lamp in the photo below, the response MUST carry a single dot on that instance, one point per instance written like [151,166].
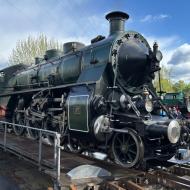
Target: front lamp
[174,131]
[158,56]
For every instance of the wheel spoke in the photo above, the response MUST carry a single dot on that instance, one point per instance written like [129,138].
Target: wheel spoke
[125,158]
[119,154]
[131,145]
[119,147]
[131,151]
[33,134]
[18,118]
[126,149]
[118,139]
[130,157]
[123,138]
[128,139]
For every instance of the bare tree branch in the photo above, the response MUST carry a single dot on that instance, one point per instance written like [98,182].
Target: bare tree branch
[26,50]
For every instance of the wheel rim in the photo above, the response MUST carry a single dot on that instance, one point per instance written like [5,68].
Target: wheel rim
[18,118]
[127,149]
[52,127]
[33,134]
[74,145]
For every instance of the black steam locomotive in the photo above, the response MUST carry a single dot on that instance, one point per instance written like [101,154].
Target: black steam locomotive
[100,97]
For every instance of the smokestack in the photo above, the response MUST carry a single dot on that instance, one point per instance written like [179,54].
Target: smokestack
[117,21]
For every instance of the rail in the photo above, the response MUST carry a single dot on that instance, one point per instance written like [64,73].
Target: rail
[57,147]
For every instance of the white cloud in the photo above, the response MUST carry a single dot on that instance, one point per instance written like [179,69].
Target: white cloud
[153,18]
[167,42]
[181,55]
[56,20]
[166,45]
[179,63]
[176,56]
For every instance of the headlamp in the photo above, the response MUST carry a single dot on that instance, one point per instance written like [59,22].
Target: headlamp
[158,56]
[174,131]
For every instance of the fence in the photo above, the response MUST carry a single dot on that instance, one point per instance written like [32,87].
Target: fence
[57,147]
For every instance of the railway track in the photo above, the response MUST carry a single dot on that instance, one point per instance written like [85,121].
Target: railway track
[173,177]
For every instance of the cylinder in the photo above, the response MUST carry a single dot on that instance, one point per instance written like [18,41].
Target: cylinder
[157,130]
[172,131]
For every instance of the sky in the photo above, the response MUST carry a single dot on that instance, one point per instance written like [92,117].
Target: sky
[164,21]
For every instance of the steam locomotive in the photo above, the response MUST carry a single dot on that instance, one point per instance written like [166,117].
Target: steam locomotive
[99,97]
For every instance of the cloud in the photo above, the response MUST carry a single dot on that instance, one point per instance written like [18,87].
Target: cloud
[153,18]
[167,45]
[165,42]
[179,63]
[176,56]
[181,55]
[56,20]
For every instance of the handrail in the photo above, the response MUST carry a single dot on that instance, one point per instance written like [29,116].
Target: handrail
[57,147]
[28,127]
[47,88]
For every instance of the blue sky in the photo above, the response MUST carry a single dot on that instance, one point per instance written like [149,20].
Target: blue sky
[164,21]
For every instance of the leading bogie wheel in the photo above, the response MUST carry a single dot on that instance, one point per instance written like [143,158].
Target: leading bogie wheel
[54,127]
[74,145]
[18,118]
[127,149]
[32,133]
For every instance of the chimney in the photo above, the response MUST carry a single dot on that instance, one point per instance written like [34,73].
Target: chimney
[117,21]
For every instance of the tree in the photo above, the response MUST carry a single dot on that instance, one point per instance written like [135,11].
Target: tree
[166,83]
[179,86]
[26,50]
[187,89]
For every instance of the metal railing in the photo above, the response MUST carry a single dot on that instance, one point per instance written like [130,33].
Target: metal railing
[57,148]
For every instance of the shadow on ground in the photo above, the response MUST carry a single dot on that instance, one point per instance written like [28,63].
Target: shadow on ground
[8,184]
[17,174]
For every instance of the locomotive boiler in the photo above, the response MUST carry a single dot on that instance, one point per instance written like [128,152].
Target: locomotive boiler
[99,97]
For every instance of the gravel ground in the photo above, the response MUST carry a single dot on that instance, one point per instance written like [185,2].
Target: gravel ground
[17,174]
